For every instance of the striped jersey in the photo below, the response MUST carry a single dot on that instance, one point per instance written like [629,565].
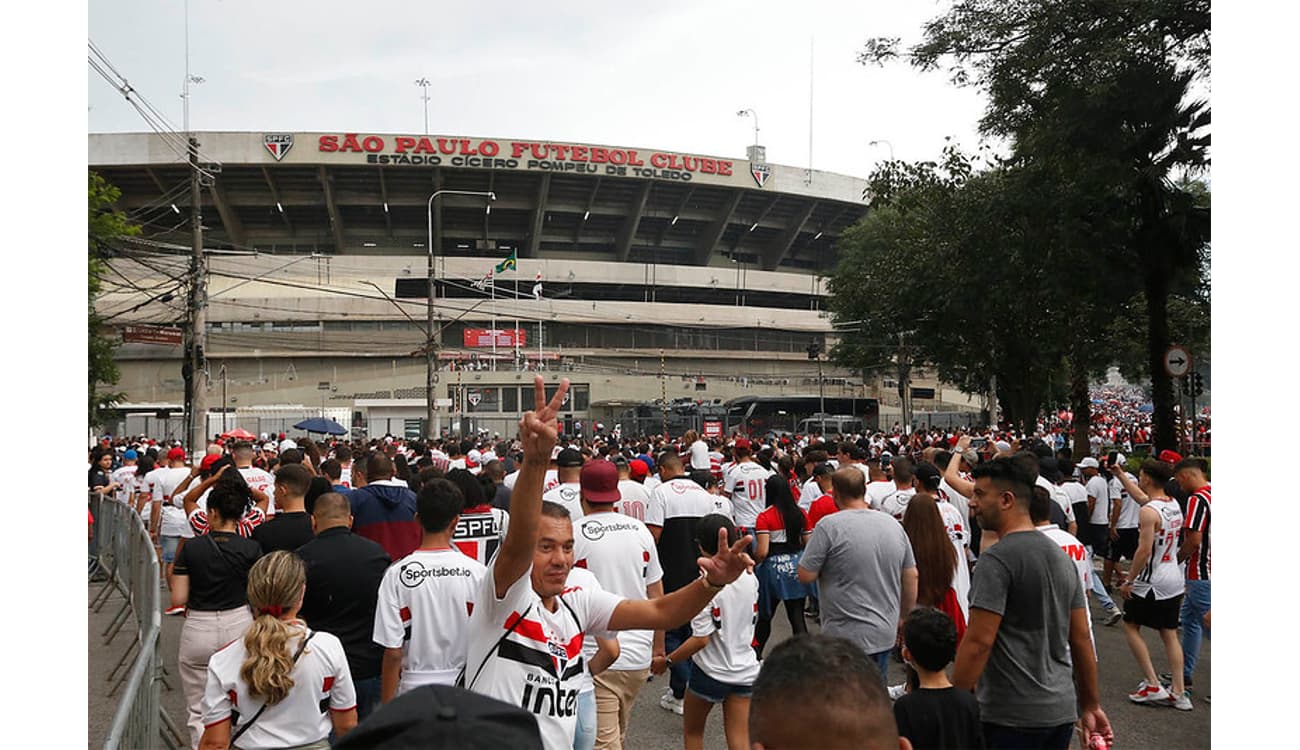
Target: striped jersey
[1198,519]
[1161,573]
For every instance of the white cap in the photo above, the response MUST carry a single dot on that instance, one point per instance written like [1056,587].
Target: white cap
[1002,445]
[286,444]
[1089,463]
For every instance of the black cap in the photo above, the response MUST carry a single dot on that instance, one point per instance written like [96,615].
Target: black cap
[569,458]
[441,716]
[927,474]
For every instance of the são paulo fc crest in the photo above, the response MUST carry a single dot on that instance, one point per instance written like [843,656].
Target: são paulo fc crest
[278,144]
[761,172]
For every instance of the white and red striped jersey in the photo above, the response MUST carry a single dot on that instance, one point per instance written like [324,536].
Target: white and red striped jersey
[322,682]
[1162,573]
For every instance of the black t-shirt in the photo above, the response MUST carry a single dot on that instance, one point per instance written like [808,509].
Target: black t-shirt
[217,564]
[344,571]
[940,719]
[286,531]
[97,477]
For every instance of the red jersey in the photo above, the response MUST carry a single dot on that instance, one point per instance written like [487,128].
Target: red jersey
[1198,519]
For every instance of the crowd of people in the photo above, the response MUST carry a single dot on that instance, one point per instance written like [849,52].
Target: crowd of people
[323,583]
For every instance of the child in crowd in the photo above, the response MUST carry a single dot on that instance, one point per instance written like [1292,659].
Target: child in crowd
[935,714]
[725,663]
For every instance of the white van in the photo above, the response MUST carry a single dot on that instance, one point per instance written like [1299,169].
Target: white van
[831,424]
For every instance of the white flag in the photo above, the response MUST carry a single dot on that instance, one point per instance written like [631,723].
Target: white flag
[537,286]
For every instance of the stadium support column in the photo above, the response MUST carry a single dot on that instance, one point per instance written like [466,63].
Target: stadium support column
[663,392]
[197,395]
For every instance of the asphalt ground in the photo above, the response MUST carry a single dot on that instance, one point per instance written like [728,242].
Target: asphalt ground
[653,728]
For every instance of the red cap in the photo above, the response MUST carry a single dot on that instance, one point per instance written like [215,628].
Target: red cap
[176,454]
[638,469]
[742,443]
[1169,456]
[208,460]
[599,482]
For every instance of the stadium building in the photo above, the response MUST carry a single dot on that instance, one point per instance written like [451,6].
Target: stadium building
[639,274]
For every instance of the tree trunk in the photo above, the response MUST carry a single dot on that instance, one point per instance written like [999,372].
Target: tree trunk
[1163,434]
[1081,405]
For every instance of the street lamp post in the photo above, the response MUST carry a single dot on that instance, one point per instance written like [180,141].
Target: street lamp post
[424,84]
[887,143]
[430,342]
[751,113]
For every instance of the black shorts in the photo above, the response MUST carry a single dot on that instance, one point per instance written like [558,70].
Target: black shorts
[1126,546]
[1099,538]
[1150,612]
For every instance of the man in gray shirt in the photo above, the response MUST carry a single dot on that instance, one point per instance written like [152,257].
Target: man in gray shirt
[863,564]
[1027,644]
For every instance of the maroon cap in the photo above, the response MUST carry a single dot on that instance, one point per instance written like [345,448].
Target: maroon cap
[599,482]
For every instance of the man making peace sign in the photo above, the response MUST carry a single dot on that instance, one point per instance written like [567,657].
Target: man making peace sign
[527,628]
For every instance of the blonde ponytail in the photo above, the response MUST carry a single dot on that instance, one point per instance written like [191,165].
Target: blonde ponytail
[275,584]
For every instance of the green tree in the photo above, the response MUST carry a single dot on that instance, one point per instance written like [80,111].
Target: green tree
[1103,87]
[104,225]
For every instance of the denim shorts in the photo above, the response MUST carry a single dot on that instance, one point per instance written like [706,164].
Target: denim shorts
[713,691]
[169,545]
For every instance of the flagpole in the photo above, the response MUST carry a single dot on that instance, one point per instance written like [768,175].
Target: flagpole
[493,283]
[517,331]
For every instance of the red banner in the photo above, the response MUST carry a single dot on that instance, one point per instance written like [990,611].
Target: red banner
[712,429]
[151,335]
[508,338]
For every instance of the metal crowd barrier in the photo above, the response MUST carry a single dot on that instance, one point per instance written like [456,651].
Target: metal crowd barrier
[124,553]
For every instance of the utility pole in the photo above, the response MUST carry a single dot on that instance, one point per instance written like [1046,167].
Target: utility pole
[197,408]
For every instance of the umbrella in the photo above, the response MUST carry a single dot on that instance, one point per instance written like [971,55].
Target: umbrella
[321,424]
[239,433]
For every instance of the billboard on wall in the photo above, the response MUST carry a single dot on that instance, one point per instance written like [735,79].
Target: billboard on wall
[506,338]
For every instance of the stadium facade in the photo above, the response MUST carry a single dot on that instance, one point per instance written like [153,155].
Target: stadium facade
[638,273]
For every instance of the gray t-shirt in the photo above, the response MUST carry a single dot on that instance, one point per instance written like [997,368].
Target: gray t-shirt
[860,556]
[1028,580]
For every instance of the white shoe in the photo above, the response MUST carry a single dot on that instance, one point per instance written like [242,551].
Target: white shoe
[1150,694]
[1181,702]
[897,691]
[669,703]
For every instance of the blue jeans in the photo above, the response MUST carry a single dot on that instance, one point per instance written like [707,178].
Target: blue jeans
[1098,589]
[881,661]
[585,736]
[368,692]
[1196,602]
[680,672]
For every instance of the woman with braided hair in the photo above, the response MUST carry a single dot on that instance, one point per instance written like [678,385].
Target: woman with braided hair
[282,685]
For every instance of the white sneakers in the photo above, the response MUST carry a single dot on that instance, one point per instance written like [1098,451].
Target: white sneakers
[669,703]
[1157,695]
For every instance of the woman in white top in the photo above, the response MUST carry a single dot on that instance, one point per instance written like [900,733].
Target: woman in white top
[721,641]
[281,685]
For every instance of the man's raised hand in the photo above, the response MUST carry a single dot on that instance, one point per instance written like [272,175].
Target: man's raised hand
[539,428]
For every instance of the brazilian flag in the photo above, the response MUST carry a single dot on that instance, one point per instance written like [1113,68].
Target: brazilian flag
[508,264]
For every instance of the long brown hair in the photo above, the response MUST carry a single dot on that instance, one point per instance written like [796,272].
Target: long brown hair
[936,559]
[275,585]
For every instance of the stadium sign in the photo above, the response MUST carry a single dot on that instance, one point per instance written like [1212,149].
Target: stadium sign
[505,337]
[546,156]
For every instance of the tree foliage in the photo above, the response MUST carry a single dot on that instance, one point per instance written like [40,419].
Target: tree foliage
[1092,210]
[103,226]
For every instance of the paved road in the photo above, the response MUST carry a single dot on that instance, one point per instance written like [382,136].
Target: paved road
[652,728]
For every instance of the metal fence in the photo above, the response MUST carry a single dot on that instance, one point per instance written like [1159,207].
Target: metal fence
[123,553]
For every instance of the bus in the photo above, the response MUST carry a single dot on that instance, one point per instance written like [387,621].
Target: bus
[760,416]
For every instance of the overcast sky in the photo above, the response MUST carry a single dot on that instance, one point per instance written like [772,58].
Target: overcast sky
[670,77]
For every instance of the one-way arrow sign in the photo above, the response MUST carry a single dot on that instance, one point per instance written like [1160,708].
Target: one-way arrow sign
[1178,362]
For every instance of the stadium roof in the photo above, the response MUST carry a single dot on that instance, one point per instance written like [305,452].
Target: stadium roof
[365,193]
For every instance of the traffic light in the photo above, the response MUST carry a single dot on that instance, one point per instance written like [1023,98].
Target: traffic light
[1198,387]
